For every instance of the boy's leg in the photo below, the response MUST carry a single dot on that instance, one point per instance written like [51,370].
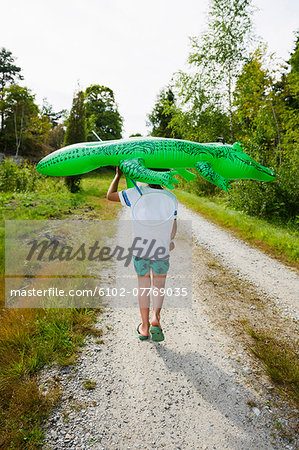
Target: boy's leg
[144,284]
[158,297]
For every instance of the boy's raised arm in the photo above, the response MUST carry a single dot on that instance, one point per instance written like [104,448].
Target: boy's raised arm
[112,193]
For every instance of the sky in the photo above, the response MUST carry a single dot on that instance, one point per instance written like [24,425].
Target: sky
[132,46]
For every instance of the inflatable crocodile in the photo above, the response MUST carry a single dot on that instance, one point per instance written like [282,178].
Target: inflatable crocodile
[139,157]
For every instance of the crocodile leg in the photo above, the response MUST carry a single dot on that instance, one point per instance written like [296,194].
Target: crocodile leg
[134,168]
[188,176]
[205,170]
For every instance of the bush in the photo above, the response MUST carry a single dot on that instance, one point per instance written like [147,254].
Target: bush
[17,178]
[25,178]
[73,183]
[277,200]
[199,186]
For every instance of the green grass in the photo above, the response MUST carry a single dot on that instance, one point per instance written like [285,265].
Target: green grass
[280,360]
[89,384]
[281,242]
[54,201]
[33,338]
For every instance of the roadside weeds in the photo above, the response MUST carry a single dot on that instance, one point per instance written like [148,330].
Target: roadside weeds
[255,325]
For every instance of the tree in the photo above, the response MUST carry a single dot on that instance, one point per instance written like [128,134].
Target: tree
[23,125]
[260,108]
[197,116]
[48,111]
[161,116]
[102,114]
[8,73]
[266,127]
[218,55]
[288,89]
[55,137]
[76,127]
[76,132]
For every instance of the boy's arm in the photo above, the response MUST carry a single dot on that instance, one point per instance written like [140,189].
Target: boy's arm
[112,193]
[173,233]
[174,229]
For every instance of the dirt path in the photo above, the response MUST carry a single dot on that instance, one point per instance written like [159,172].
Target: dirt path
[195,390]
[270,276]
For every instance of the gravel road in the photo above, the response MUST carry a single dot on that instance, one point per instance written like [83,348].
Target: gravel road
[195,390]
[270,276]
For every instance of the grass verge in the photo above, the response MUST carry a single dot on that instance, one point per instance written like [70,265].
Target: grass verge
[33,338]
[261,336]
[279,358]
[281,242]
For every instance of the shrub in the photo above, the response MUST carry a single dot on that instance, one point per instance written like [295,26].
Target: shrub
[73,183]
[199,186]
[17,178]
[277,200]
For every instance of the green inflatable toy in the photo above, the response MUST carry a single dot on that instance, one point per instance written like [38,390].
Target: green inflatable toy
[139,157]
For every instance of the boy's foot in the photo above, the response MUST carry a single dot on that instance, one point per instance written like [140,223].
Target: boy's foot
[157,333]
[141,333]
[155,322]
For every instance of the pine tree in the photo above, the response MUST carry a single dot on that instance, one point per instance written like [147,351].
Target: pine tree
[76,127]
[75,132]
[102,113]
[8,73]
[162,115]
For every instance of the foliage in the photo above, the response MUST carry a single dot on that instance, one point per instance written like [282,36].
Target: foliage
[54,117]
[17,178]
[204,110]
[197,118]
[258,113]
[55,137]
[246,97]
[266,129]
[35,131]
[276,201]
[23,125]
[73,183]
[281,241]
[9,72]
[219,53]
[102,114]
[76,132]
[161,116]
[76,128]
[288,91]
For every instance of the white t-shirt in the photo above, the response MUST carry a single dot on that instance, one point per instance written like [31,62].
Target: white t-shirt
[152,213]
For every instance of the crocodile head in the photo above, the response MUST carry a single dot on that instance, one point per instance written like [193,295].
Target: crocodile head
[257,172]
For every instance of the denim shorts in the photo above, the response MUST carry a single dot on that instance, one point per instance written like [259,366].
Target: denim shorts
[142,266]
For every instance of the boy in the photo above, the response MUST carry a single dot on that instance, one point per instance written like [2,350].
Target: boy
[143,267]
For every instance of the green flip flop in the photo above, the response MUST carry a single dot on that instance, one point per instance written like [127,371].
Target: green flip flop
[157,334]
[142,338]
